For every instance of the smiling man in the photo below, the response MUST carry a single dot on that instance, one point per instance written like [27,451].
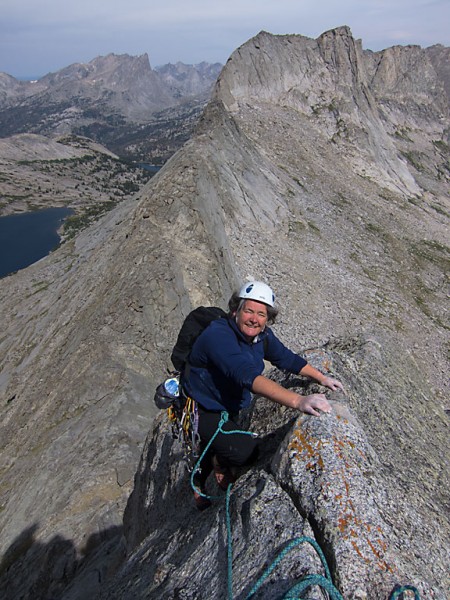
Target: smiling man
[226,365]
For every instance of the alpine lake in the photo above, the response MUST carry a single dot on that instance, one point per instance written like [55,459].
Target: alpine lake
[27,237]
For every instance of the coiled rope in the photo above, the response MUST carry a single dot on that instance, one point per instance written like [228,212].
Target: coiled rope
[306,582]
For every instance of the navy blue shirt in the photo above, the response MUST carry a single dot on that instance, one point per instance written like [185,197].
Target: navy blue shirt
[224,364]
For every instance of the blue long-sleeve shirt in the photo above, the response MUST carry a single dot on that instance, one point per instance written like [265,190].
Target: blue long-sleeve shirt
[224,364]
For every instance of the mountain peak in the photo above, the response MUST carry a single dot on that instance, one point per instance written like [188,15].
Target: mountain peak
[116,84]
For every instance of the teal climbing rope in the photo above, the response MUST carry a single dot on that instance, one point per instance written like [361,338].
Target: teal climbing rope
[307,581]
[399,590]
[223,420]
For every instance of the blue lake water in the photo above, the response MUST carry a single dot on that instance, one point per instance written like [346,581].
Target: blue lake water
[28,237]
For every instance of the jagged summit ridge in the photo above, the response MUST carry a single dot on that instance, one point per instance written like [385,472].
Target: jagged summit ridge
[111,67]
[138,113]
[354,97]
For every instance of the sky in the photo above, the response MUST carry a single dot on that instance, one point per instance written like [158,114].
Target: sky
[42,36]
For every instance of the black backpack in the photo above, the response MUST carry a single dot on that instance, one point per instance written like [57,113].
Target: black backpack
[168,393]
[193,325]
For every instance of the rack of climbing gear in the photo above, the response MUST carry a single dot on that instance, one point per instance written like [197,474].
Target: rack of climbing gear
[183,417]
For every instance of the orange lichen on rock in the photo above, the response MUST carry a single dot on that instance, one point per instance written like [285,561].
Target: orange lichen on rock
[303,445]
[343,458]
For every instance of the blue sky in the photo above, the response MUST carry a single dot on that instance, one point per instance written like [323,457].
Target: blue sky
[42,36]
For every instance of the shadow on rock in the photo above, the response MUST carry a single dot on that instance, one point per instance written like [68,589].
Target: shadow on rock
[54,570]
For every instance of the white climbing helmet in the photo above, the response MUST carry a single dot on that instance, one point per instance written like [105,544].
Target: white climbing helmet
[256,290]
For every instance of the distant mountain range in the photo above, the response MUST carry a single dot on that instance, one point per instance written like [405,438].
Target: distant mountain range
[110,99]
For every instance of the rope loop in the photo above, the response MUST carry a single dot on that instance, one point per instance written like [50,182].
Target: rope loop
[223,419]
[307,581]
[401,589]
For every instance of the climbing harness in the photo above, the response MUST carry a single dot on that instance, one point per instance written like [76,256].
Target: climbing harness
[223,420]
[325,582]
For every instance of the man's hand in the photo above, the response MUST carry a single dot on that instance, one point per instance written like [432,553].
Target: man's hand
[331,383]
[314,404]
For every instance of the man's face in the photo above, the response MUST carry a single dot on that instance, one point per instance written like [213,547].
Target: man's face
[252,318]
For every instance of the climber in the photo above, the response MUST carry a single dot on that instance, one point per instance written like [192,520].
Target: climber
[226,365]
